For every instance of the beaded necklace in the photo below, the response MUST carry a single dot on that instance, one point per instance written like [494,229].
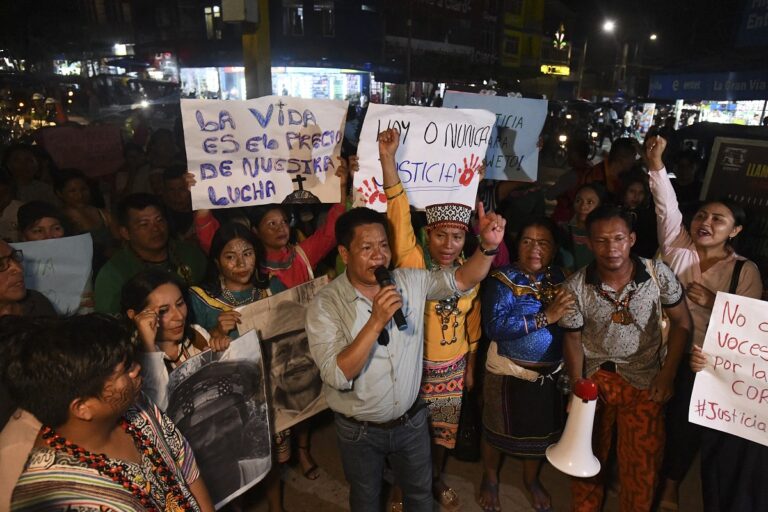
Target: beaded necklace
[545,289]
[447,310]
[621,314]
[229,297]
[116,471]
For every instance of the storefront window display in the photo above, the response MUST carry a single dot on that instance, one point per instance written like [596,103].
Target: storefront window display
[749,113]
[329,83]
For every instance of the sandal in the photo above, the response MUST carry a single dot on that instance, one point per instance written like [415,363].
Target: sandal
[491,489]
[448,498]
[311,472]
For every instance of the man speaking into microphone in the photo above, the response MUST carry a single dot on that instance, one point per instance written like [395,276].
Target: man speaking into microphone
[371,370]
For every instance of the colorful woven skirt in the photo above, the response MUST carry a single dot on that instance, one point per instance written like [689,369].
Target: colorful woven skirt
[442,384]
[522,418]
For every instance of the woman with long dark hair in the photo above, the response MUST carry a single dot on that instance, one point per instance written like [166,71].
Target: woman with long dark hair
[703,258]
[232,280]
[153,301]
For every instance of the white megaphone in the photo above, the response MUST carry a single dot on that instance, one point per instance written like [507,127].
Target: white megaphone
[573,453]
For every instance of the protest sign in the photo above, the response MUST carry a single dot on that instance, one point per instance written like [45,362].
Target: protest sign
[97,150]
[513,154]
[262,151]
[439,154]
[218,401]
[294,379]
[59,268]
[731,393]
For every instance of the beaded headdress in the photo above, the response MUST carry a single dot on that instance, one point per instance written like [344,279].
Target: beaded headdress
[452,215]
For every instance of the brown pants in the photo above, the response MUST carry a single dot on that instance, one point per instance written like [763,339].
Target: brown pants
[640,446]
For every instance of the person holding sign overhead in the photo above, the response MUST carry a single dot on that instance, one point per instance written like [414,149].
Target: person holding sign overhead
[452,325]
[705,261]
[371,368]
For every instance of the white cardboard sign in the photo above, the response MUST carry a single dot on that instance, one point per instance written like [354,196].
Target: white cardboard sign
[259,151]
[58,268]
[731,393]
[439,154]
[513,154]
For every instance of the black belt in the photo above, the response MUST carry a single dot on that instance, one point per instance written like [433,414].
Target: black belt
[608,366]
[388,425]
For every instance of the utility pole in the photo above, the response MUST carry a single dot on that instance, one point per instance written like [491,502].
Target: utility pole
[257,55]
[408,55]
[581,69]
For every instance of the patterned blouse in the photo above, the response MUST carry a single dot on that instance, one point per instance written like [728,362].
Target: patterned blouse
[55,480]
[635,345]
[511,302]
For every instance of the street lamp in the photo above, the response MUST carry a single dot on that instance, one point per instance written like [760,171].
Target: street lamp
[653,37]
[608,27]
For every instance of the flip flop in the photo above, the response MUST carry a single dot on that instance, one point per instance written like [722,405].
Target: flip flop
[447,498]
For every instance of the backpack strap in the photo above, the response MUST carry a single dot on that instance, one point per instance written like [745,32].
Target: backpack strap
[735,276]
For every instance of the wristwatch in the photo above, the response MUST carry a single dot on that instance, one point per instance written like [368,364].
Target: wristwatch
[487,252]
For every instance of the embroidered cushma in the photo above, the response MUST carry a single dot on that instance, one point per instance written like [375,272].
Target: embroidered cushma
[55,479]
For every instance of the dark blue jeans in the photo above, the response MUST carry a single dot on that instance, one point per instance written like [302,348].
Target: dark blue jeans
[364,450]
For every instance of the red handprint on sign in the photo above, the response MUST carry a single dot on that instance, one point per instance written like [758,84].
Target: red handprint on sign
[372,194]
[470,169]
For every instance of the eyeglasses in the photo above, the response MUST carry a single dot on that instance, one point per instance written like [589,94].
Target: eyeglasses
[5,261]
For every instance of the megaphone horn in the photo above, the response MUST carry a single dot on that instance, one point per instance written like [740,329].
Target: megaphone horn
[573,453]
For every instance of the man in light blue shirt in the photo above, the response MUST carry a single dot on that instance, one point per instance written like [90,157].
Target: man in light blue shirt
[371,371]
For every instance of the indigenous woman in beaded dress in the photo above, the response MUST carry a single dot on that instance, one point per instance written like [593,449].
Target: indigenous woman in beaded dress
[291,264]
[523,410]
[102,445]
[233,280]
[451,326]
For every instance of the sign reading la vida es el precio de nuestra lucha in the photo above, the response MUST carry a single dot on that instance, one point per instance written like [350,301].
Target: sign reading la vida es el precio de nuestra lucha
[251,152]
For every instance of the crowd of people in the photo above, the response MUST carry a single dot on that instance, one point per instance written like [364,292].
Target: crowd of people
[503,300]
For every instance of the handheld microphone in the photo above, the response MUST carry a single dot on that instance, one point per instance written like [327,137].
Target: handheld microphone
[384,278]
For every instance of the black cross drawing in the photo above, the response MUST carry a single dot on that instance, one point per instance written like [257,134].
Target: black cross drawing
[280,104]
[299,179]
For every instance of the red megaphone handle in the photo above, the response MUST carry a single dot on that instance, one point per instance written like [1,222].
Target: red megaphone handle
[585,389]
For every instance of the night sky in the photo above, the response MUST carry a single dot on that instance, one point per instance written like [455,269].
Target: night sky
[692,34]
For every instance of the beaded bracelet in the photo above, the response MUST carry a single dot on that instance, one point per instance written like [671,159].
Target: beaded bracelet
[540,319]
